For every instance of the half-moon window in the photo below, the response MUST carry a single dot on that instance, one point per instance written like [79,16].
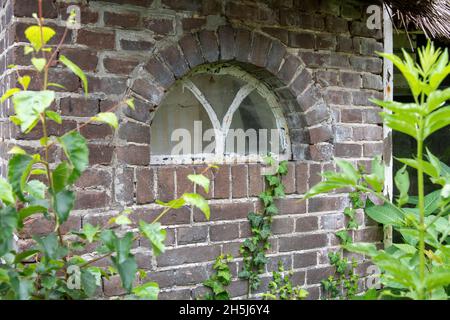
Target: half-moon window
[218,113]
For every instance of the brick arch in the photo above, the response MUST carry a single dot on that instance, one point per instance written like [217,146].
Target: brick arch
[308,117]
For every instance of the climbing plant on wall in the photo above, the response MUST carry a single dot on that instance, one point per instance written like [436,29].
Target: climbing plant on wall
[417,266]
[254,248]
[54,266]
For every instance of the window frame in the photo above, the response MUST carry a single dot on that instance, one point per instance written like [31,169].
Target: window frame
[221,129]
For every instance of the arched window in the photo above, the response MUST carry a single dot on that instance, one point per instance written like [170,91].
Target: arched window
[218,113]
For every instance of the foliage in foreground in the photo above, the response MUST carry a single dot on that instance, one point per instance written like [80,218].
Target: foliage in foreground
[218,282]
[55,266]
[418,266]
[281,287]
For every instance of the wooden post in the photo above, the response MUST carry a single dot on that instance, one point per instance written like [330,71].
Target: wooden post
[388,84]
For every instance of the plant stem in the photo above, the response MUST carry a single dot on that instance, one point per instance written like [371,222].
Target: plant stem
[420,182]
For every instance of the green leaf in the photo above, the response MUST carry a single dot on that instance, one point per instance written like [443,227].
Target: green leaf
[60,176]
[147,291]
[431,202]
[406,248]
[6,192]
[427,167]
[76,150]
[344,236]
[39,63]
[88,282]
[402,183]
[17,150]
[25,255]
[374,181]
[107,117]
[24,82]
[363,248]
[127,270]
[76,70]
[8,224]
[200,180]
[9,93]
[53,116]
[437,98]
[173,204]
[437,278]
[38,38]
[50,246]
[130,103]
[36,189]
[385,214]
[29,211]
[436,121]
[324,187]
[121,220]
[63,203]
[198,201]
[19,168]
[399,123]
[90,232]
[28,105]
[155,234]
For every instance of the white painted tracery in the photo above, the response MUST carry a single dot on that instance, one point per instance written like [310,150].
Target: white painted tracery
[221,128]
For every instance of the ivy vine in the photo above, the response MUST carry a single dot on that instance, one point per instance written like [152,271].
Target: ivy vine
[254,248]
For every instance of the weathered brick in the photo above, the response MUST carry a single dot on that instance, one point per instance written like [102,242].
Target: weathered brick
[275,56]
[134,132]
[100,154]
[305,224]
[291,206]
[124,185]
[350,80]
[314,276]
[175,61]
[302,242]
[192,234]
[239,181]
[188,5]
[144,185]
[222,182]
[255,180]
[288,69]
[173,217]
[190,24]
[209,45]
[303,260]
[160,26]
[260,48]
[191,49]
[95,178]
[134,155]
[25,8]
[226,211]
[119,65]
[166,184]
[243,45]
[187,255]
[99,40]
[91,199]
[79,107]
[157,69]
[184,185]
[282,226]
[227,42]
[302,40]
[86,59]
[224,232]
[127,20]
[136,45]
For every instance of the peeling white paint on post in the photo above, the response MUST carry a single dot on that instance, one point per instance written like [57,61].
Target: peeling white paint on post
[388,84]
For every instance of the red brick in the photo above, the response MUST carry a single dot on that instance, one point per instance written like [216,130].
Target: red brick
[123,20]
[26,8]
[96,39]
[190,24]
[303,242]
[166,184]
[239,181]
[160,26]
[144,186]
[120,66]
[86,59]
[224,232]
[134,155]
[222,182]
[91,199]
[226,211]
[100,154]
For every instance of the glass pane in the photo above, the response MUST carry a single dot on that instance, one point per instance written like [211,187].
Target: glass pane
[180,124]
[219,90]
[253,128]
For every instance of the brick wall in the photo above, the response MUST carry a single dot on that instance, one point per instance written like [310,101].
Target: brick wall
[317,56]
